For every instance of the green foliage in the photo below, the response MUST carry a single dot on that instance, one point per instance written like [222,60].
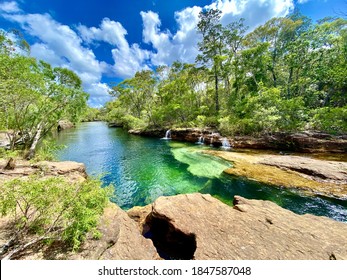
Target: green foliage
[47,150]
[331,120]
[34,96]
[92,114]
[53,208]
[286,75]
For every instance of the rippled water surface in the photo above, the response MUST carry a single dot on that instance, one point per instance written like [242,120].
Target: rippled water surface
[143,169]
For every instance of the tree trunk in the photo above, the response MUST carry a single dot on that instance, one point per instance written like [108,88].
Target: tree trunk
[37,137]
[216,89]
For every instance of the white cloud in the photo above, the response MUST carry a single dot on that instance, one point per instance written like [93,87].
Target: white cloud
[128,59]
[255,12]
[99,94]
[302,1]
[60,46]
[182,45]
[9,7]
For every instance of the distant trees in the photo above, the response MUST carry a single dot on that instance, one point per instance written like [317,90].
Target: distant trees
[34,96]
[286,75]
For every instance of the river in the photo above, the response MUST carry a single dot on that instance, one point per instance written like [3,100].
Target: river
[142,169]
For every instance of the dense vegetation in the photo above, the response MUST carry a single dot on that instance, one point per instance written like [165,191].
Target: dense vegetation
[286,75]
[34,95]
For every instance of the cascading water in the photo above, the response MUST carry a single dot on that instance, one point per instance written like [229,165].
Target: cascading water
[200,140]
[225,144]
[167,135]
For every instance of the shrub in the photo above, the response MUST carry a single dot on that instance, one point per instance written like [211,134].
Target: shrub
[52,209]
[331,120]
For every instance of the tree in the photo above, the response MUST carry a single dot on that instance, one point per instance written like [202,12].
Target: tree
[34,96]
[211,46]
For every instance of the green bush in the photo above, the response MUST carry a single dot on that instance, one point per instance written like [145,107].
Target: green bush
[331,120]
[53,208]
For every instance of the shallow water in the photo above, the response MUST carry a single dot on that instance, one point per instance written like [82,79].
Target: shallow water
[142,169]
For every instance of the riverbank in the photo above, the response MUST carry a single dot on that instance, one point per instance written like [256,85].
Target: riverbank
[303,142]
[190,226]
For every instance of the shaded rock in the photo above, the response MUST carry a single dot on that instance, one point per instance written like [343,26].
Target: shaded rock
[120,240]
[252,229]
[64,124]
[308,142]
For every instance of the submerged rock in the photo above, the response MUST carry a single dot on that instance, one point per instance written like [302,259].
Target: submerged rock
[200,227]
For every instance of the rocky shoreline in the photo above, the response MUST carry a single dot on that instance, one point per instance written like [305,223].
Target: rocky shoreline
[303,142]
[320,177]
[191,226]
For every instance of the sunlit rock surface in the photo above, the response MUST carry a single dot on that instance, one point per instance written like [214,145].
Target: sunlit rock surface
[252,229]
[328,178]
[120,240]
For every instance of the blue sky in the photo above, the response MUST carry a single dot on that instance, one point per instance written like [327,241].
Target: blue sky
[104,40]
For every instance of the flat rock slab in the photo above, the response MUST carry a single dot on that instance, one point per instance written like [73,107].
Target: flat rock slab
[252,229]
[68,169]
[320,170]
[324,177]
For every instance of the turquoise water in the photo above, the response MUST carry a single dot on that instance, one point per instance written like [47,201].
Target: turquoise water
[142,169]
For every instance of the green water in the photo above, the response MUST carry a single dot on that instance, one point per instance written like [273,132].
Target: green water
[143,169]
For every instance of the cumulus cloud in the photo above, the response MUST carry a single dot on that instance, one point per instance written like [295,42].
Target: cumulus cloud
[255,12]
[182,45]
[9,7]
[63,46]
[59,45]
[128,59]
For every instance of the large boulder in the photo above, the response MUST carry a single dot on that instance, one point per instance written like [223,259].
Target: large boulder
[198,226]
[64,124]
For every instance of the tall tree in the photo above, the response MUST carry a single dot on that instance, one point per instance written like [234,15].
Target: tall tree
[211,46]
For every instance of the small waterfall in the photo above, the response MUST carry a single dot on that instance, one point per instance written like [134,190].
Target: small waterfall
[200,140]
[167,135]
[225,144]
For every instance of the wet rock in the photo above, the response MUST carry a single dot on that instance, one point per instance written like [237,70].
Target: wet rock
[308,142]
[252,229]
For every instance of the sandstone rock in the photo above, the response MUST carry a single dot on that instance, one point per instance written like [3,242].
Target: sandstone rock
[69,169]
[329,171]
[308,142]
[4,139]
[252,229]
[120,240]
[324,177]
[64,124]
